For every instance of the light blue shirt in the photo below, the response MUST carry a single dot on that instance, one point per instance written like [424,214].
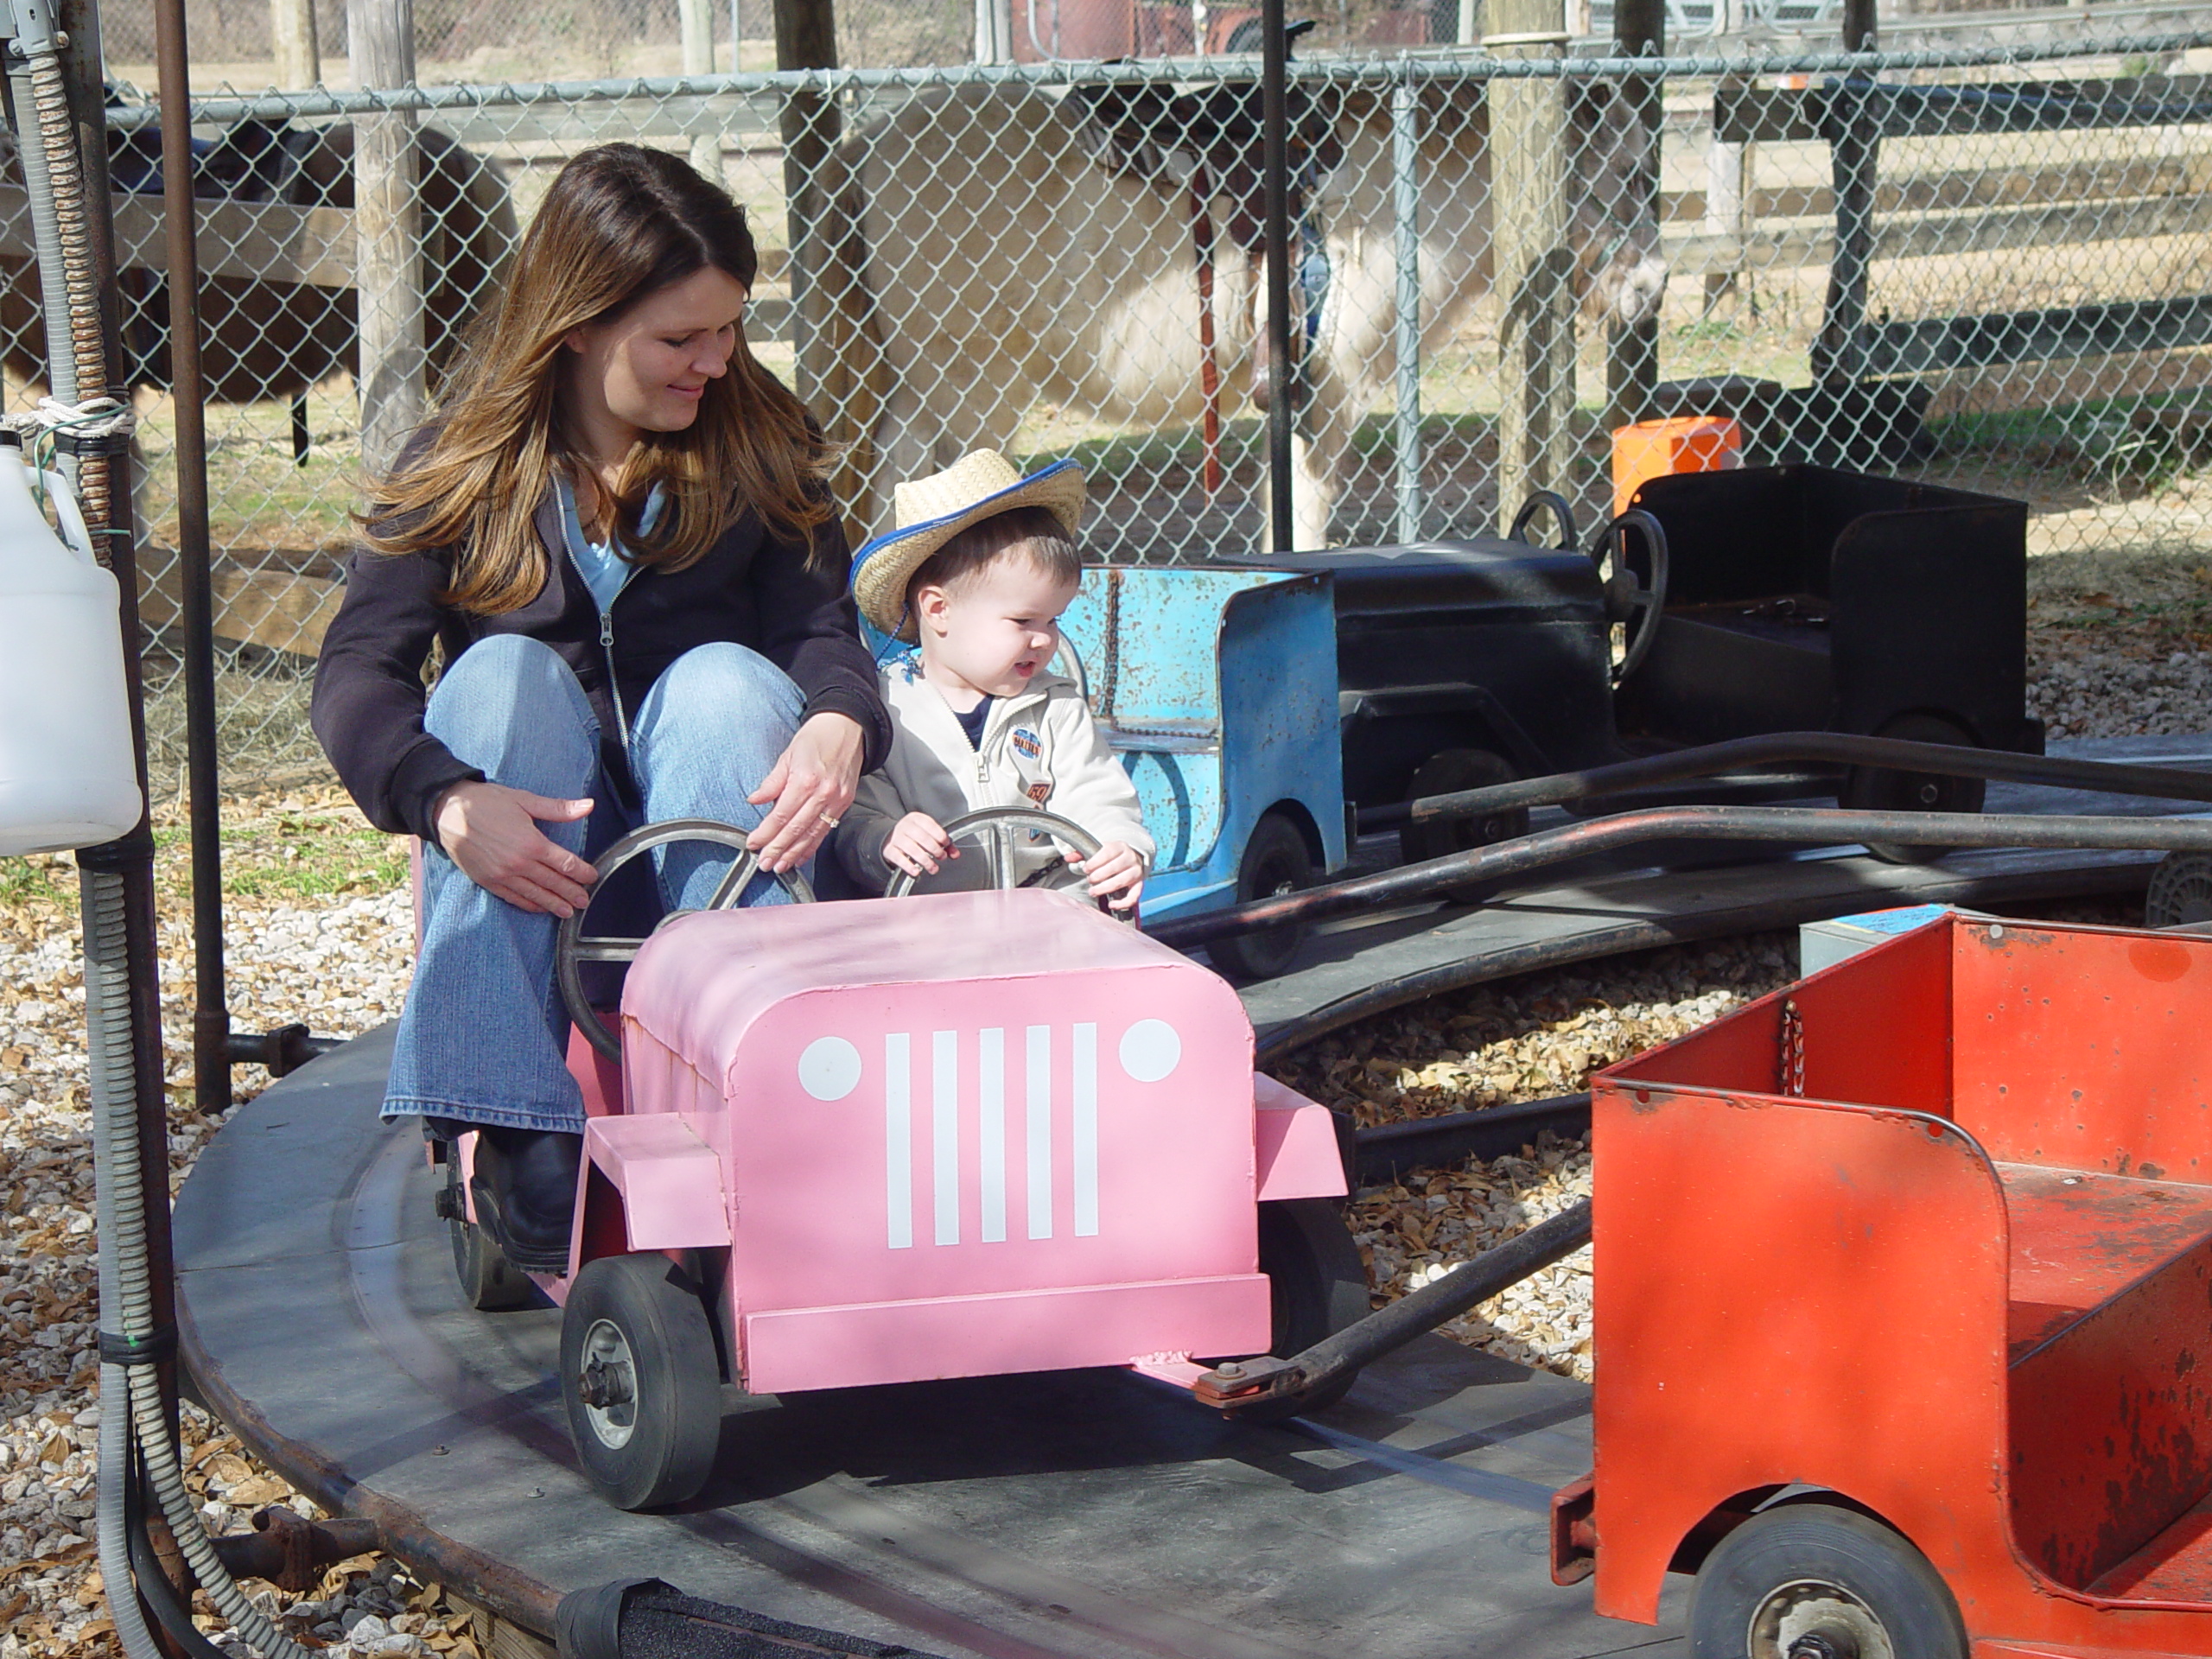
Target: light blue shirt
[601,565]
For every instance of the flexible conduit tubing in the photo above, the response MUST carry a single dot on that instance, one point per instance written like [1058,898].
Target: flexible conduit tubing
[121,1238]
[78,366]
[68,285]
[132,1393]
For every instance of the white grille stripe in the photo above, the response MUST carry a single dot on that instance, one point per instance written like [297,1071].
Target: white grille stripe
[1041,1178]
[1086,1137]
[945,1131]
[898,1140]
[1039,1138]
[990,1129]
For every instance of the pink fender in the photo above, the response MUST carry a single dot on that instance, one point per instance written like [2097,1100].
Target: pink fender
[1296,1144]
[668,1179]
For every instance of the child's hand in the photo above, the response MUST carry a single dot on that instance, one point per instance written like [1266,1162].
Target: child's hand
[1114,868]
[916,842]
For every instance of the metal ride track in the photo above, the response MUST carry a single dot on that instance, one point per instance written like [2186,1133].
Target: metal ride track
[1082,1516]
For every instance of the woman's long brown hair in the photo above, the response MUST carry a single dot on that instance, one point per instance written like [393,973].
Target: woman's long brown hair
[620,222]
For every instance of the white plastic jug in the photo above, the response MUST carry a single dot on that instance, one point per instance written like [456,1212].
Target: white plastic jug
[67,777]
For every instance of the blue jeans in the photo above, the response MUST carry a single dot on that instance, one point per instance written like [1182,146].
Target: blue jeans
[484,1037]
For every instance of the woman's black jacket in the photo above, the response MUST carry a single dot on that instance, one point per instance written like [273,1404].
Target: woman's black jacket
[752,587]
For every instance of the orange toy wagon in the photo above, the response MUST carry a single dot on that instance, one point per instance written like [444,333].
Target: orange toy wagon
[1903,1286]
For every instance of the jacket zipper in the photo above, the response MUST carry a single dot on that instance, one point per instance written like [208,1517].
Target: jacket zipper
[606,632]
[613,681]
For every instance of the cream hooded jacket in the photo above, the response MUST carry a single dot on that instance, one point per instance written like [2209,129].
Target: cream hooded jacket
[1039,749]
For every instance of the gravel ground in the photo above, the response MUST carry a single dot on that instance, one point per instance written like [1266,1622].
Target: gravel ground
[2120,646]
[339,963]
[1518,1039]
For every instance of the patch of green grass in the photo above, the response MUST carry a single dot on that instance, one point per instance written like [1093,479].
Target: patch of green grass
[28,881]
[309,855]
[1707,331]
[292,855]
[2133,444]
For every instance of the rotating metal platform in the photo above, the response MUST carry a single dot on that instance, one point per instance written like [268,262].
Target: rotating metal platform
[1083,1516]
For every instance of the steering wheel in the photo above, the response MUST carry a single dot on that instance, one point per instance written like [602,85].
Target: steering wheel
[1637,605]
[1003,822]
[574,947]
[1542,500]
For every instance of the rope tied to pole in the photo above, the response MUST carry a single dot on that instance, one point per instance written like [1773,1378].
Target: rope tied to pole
[96,418]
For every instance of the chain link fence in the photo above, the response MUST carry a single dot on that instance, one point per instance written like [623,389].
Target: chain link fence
[1987,266]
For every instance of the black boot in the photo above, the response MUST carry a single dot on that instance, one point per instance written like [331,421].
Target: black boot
[526,1189]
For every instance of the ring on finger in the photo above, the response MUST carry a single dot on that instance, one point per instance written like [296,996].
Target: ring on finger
[828,822]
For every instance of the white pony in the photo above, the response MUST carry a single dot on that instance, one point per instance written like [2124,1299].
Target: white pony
[1020,247]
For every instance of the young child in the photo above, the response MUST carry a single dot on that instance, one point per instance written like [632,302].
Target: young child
[981,565]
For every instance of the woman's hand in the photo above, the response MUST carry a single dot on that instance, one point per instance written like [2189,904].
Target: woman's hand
[491,832]
[812,784]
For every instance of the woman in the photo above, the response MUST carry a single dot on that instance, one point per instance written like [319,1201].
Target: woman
[616,528]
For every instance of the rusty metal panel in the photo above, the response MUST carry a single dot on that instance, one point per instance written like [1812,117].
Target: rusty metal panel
[2112,1414]
[1824,1292]
[1762,1267]
[1881,1035]
[2085,1048]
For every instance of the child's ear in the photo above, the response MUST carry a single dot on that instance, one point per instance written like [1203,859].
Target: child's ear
[931,603]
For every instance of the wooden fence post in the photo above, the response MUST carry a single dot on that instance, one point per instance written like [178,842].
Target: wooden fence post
[1532,263]
[806,38]
[695,22]
[1854,148]
[1632,349]
[833,356]
[1728,198]
[387,233]
[994,31]
[299,55]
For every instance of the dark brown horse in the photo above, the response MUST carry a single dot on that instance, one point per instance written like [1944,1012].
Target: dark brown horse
[274,339]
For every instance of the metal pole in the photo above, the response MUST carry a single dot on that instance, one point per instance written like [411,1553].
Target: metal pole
[1274,123]
[211,1015]
[1736,756]
[1799,826]
[1233,1384]
[106,487]
[1405,203]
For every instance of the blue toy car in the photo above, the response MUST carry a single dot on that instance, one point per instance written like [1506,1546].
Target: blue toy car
[1218,689]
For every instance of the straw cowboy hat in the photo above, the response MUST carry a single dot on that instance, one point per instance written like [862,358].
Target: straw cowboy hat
[928,512]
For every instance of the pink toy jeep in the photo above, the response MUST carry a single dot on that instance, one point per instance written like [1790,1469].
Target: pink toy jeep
[889,1140]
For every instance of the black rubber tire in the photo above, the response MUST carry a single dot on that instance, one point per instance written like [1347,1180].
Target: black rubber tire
[1784,1563]
[1879,790]
[1276,859]
[489,1282]
[1446,772]
[1316,1286]
[2181,891]
[658,1446]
